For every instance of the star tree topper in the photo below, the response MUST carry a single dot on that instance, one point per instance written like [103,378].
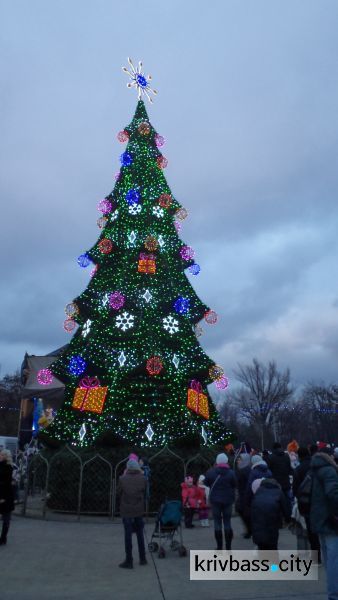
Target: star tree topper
[139,80]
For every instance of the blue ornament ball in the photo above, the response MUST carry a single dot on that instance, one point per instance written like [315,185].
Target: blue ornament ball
[194,269]
[84,260]
[77,365]
[182,305]
[133,196]
[126,159]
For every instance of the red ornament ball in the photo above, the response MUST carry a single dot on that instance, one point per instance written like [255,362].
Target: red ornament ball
[162,162]
[123,136]
[165,200]
[69,325]
[211,317]
[154,365]
[105,246]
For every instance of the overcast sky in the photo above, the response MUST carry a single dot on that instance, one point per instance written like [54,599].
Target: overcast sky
[248,103]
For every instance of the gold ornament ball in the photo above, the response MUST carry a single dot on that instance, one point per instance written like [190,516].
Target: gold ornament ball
[215,372]
[151,243]
[144,128]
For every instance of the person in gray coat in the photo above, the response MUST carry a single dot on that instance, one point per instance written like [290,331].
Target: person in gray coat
[131,487]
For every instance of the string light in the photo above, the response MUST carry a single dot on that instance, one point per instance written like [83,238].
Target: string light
[144,366]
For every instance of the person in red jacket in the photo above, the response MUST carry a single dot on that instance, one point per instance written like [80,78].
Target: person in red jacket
[189,500]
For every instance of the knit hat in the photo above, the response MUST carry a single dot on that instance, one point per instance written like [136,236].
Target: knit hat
[221,459]
[255,484]
[133,456]
[132,465]
[257,460]
[321,445]
[292,446]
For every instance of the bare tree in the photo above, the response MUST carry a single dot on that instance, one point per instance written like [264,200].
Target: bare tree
[321,404]
[265,390]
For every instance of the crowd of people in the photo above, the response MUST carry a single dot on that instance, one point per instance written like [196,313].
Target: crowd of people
[297,486]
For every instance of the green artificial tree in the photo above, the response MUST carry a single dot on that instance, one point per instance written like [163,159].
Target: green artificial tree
[134,370]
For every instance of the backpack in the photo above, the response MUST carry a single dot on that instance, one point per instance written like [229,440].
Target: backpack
[304,494]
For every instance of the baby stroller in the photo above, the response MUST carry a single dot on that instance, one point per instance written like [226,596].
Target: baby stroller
[168,523]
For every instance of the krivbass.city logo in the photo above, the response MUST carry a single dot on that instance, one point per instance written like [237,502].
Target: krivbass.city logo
[274,565]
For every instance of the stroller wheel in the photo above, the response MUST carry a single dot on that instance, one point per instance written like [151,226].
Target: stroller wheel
[152,547]
[161,552]
[182,551]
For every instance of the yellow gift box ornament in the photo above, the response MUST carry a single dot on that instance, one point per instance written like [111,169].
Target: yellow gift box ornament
[197,401]
[90,396]
[147,263]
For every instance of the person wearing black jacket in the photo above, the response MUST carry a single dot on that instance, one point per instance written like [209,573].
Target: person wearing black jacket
[280,466]
[242,476]
[221,481]
[268,507]
[6,492]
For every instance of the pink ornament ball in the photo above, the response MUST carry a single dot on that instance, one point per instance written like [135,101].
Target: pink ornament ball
[116,300]
[162,162]
[45,377]
[123,136]
[211,317]
[222,383]
[187,253]
[104,206]
[69,325]
[159,140]
[117,176]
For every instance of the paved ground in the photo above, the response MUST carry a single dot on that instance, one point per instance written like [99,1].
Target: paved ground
[55,560]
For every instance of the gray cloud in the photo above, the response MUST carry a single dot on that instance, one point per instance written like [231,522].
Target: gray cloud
[247,103]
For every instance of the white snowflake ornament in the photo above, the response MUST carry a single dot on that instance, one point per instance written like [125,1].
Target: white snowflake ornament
[158,212]
[134,209]
[125,321]
[170,324]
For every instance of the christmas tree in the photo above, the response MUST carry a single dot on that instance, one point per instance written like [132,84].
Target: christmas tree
[134,369]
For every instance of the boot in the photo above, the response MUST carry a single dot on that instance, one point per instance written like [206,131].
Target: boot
[4,531]
[126,564]
[229,534]
[219,540]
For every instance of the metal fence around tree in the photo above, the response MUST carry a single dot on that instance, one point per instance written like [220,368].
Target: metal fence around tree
[69,483]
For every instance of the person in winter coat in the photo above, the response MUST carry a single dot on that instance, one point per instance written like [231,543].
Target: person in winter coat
[280,466]
[6,492]
[189,500]
[324,515]
[268,507]
[242,476]
[298,476]
[202,495]
[259,470]
[221,481]
[132,487]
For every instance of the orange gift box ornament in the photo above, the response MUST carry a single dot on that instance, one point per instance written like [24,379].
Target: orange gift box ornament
[146,263]
[89,395]
[197,401]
